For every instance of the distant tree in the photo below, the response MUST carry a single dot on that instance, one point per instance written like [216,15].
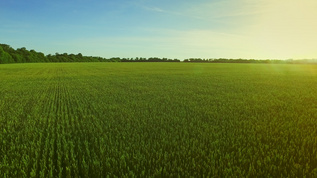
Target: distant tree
[115,59]
[24,54]
[5,57]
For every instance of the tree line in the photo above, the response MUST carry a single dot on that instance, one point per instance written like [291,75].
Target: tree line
[265,61]
[22,55]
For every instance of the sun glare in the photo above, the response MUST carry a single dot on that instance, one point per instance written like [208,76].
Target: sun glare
[287,29]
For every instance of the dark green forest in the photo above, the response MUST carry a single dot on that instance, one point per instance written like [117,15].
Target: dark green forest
[22,55]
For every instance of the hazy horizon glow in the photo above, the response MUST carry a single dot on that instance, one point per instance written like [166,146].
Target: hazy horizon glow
[180,29]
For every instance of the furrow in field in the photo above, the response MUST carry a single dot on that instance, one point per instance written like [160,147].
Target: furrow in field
[86,130]
[79,133]
[58,124]
[49,153]
[70,119]
[40,121]
[46,116]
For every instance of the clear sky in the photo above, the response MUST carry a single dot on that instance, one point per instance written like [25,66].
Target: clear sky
[260,29]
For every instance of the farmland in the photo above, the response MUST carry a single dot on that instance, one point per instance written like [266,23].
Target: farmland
[158,120]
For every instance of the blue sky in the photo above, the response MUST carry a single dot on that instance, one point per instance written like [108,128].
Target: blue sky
[175,29]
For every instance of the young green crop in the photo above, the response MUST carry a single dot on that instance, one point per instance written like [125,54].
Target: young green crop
[158,120]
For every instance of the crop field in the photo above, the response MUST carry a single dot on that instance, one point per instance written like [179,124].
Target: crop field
[158,120]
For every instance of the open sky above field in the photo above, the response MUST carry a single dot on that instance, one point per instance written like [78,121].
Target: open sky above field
[175,28]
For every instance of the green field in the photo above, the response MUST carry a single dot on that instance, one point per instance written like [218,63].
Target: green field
[158,119]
